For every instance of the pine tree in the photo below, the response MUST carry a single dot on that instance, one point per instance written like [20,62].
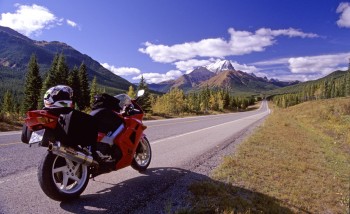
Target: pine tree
[61,71]
[32,87]
[84,87]
[205,96]
[8,103]
[74,83]
[144,101]
[50,79]
[347,77]
[93,90]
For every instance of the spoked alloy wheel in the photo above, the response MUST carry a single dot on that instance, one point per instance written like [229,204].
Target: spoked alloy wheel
[62,179]
[143,155]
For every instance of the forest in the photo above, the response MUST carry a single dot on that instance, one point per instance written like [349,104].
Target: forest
[29,89]
[332,86]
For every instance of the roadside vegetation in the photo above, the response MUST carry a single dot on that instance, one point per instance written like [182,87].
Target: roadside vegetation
[334,85]
[296,162]
[175,103]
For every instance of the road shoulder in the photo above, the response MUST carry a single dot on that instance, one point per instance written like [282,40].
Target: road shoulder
[176,196]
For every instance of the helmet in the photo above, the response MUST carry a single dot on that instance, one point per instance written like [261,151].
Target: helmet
[124,100]
[59,96]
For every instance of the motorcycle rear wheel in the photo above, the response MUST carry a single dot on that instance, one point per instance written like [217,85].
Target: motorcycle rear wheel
[143,155]
[62,179]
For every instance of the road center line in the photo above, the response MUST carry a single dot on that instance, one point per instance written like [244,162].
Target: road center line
[188,133]
[7,144]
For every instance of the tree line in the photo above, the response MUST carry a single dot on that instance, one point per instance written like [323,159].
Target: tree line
[177,102]
[324,89]
[174,102]
[35,86]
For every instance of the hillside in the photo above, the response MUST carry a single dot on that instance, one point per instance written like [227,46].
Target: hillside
[300,87]
[16,49]
[297,162]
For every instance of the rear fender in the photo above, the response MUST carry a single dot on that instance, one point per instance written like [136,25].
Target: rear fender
[39,119]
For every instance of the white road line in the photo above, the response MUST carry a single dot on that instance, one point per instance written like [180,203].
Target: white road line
[188,133]
[17,178]
[10,133]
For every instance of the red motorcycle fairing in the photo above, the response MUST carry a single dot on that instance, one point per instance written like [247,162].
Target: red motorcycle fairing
[127,140]
[39,119]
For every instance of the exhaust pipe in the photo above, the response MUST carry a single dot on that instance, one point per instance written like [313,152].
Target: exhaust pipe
[72,154]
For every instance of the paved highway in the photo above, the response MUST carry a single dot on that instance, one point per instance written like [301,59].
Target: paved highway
[176,143]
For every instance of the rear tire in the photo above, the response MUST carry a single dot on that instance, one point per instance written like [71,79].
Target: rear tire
[62,179]
[143,155]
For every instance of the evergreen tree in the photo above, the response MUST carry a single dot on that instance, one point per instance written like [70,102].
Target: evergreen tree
[32,86]
[50,79]
[84,87]
[93,90]
[61,71]
[74,83]
[205,96]
[347,77]
[8,103]
[144,101]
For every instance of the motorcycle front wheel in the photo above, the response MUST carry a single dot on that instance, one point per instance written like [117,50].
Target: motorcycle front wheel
[62,179]
[143,155]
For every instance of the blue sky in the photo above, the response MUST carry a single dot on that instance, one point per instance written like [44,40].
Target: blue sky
[163,39]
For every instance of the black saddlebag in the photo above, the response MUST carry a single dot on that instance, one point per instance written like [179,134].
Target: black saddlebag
[106,101]
[107,120]
[77,128]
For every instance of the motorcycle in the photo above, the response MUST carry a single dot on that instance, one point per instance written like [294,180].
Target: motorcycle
[86,146]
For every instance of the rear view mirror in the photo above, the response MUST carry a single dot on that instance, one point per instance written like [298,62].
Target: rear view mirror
[140,93]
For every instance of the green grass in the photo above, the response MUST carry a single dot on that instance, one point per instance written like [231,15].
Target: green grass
[298,162]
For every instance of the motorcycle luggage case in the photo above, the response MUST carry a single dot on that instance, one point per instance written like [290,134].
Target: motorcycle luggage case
[106,119]
[106,101]
[77,128]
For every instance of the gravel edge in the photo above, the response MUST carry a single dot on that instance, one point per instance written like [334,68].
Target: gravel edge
[176,197]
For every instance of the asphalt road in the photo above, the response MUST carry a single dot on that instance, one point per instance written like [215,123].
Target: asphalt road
[176,144]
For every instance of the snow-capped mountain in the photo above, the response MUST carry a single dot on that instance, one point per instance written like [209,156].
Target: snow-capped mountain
[221,74]
[219,66]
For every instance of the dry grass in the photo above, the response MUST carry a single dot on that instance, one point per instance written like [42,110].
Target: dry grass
[298,161]
[10,122]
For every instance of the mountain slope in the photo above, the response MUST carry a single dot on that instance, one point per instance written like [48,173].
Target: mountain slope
[16,49]
[300,87]
[221,74]
[238,81]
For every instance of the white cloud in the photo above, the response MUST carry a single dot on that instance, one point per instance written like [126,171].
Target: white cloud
[344,10]
[304,68]
[240,43]
[323,64]
[71,23]
[244,67]
[272,62]
[190,65]
[121,71]
[29,19]
[157,77]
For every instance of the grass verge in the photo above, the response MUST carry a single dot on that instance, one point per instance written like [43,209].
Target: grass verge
[10,122]
[297,162]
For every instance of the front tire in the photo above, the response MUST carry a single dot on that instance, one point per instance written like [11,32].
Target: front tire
[143,155]
[62,179]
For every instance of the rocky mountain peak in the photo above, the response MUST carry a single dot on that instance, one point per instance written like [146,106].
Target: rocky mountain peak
[219,66]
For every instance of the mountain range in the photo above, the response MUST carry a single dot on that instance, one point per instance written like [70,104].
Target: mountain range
[222,74]
[16,50]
